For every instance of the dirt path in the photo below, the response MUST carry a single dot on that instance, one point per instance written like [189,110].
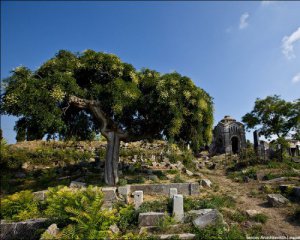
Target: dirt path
[278,223]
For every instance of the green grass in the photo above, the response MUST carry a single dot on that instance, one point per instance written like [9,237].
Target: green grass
[261,218]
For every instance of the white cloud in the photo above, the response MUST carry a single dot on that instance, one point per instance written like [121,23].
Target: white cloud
[288,44]
[296,78]
[243,21]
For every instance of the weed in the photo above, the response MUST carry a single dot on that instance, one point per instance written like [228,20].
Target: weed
[261,218]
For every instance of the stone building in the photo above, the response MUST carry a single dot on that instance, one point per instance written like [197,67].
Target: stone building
[228,137]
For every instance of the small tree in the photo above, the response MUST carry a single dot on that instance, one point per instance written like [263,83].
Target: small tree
[274,116]
[111,97]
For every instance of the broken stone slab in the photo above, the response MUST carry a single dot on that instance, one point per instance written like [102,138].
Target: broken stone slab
[75,184]
[193,214]
[51,232]
[114,228]
[124,192]
[173,191]
[277,200]
[178,212]
[40,195]
[208,218]
[164,188]
[22,230]
[189,173]
[138,199]
[205,183]
[252,212]
[109,194]
[176,236]
[150,218]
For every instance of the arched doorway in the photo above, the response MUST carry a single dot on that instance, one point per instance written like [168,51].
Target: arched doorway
[235,145]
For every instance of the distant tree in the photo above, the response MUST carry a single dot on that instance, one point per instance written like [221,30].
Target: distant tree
[76,94]
[274,116]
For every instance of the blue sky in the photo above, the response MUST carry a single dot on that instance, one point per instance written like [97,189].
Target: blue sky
[236,51]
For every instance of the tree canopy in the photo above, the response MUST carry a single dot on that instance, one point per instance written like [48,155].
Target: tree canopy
[274,116]
[144,104]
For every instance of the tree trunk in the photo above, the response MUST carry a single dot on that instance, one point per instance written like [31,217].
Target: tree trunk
[112,158]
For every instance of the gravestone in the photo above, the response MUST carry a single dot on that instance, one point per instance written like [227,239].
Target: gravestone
[173,191]
[138,199]
[178,212]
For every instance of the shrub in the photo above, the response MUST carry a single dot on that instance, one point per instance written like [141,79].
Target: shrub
[59,198]
[214,202]
[164,223]
[219,232]
[122,182]
[164,205]
[128,218]
[20,206]
[238,217]
[177,179]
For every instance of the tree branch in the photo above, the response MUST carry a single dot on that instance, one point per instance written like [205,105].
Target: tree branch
[95,108]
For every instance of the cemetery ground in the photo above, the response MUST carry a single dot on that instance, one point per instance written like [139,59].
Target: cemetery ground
[60,187]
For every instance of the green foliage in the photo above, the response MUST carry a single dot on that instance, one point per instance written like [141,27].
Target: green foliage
[128,218]
[20,206]
[274,115]
[163,205]
[129,98]
[212,202]
[122,182]
[89,221]
[13,158]
[177,179]
[261,218]
[60,200]
[237,217]
[218,231]
[164,223]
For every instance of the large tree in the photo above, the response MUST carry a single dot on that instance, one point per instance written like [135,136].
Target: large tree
[93,91]
[274,116]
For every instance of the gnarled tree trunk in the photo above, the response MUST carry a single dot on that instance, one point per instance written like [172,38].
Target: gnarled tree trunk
[112,158]
[113,137]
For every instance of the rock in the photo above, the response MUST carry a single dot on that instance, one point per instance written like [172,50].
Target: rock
[52,232]
[25,165]
[110,194]
[22,230]
[252,213]
[150,218]
[40,195]
[153,178]
[178,212]
[277,200]
[114,228]
[197,174]
[205,183]
[20,175]
[207,218]
[177,236]
[91,160]
[154,164]
[189,173]
[75,184]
